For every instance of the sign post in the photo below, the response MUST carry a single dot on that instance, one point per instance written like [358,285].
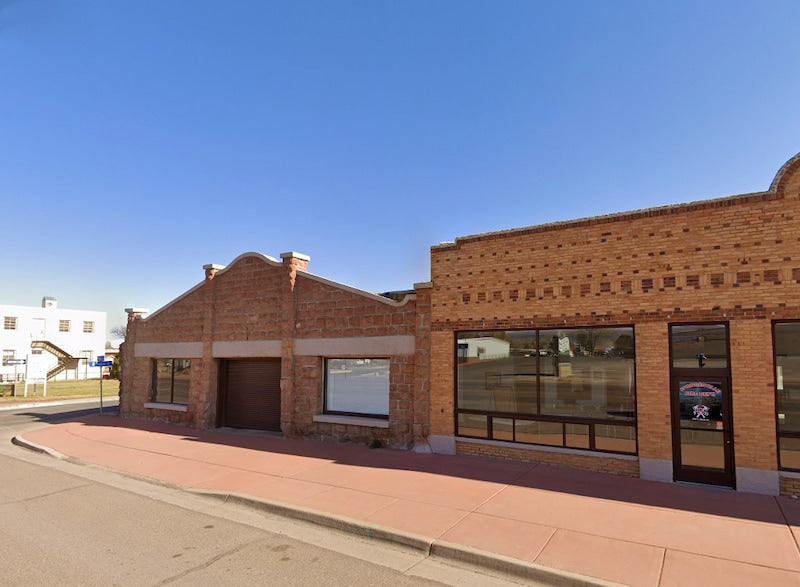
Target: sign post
[101,362]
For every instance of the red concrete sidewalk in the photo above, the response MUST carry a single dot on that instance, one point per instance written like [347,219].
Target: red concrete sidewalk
[600,526]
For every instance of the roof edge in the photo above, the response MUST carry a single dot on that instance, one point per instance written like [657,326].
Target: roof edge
[775,190]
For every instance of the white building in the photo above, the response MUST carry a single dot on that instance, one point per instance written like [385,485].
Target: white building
[484,347]
[56,343]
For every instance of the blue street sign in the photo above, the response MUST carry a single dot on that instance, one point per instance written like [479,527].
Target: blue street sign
[100,363]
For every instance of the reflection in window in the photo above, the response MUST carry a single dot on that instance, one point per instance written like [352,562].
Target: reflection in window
[699,345]
[787,392]
[562,376]
[171,380]
[357,386]
[473,425]
[588,373]
[537,432]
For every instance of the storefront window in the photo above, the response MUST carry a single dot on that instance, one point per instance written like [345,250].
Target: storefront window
[588,373]
[787,392]
[557,387]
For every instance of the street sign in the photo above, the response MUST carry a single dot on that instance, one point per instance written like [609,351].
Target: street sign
[15,362]
[100,363]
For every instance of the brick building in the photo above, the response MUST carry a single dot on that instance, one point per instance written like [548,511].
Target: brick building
[263,344]
[660,343]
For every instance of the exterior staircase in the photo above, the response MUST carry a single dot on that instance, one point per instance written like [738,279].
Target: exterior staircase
[65,360]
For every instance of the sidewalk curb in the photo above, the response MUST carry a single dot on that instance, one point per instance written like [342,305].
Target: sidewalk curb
[45,402]
[21,442]
[428,546]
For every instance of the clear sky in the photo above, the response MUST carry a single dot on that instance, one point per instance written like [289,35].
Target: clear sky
[140,140]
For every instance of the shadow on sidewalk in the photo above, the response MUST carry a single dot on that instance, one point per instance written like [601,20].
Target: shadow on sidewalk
[692,498]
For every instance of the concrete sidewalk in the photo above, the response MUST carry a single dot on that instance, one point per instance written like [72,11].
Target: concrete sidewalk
[519,517]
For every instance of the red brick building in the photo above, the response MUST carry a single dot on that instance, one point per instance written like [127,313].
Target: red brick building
[661,343]
[262,344]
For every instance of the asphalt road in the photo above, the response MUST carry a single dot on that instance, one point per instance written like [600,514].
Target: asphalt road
[52,413]
[76,524]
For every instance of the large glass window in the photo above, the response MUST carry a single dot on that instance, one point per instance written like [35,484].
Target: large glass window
[787,392]
[171,380]
[562,387]
[357,386]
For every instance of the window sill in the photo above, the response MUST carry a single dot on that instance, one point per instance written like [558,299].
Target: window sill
[163,406]
[351,421]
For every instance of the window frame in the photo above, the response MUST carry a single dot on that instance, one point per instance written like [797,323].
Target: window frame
[779,434]
[568,424]
[359,414]
[88,326]
[10,322]
[154,395]
[64,325]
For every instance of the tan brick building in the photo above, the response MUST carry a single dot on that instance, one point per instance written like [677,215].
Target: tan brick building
[658,343]
[263,344]
[661,343]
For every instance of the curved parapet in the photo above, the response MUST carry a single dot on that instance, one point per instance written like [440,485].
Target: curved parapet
[788,177]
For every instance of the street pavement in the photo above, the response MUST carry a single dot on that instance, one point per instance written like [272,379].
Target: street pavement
[539,522]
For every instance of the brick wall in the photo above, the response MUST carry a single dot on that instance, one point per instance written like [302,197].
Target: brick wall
[258,299]
[324,310]
[422,365]
[753,383]
[442,394]
[790,486]
[652,391]
[598,464]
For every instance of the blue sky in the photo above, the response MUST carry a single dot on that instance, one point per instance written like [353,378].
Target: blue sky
[140,140]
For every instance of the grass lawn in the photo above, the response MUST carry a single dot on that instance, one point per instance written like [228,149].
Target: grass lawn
[59,390]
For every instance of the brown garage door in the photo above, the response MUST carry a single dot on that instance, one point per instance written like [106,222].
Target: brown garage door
[252,394]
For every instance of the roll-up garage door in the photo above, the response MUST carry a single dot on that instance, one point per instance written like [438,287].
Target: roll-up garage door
[252,394]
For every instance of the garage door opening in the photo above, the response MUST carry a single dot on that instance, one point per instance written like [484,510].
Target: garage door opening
[251,394]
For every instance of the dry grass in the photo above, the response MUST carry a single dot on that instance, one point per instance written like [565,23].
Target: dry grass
[59,390]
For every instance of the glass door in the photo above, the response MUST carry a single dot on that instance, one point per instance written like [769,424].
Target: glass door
[702,432]
[702,438]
